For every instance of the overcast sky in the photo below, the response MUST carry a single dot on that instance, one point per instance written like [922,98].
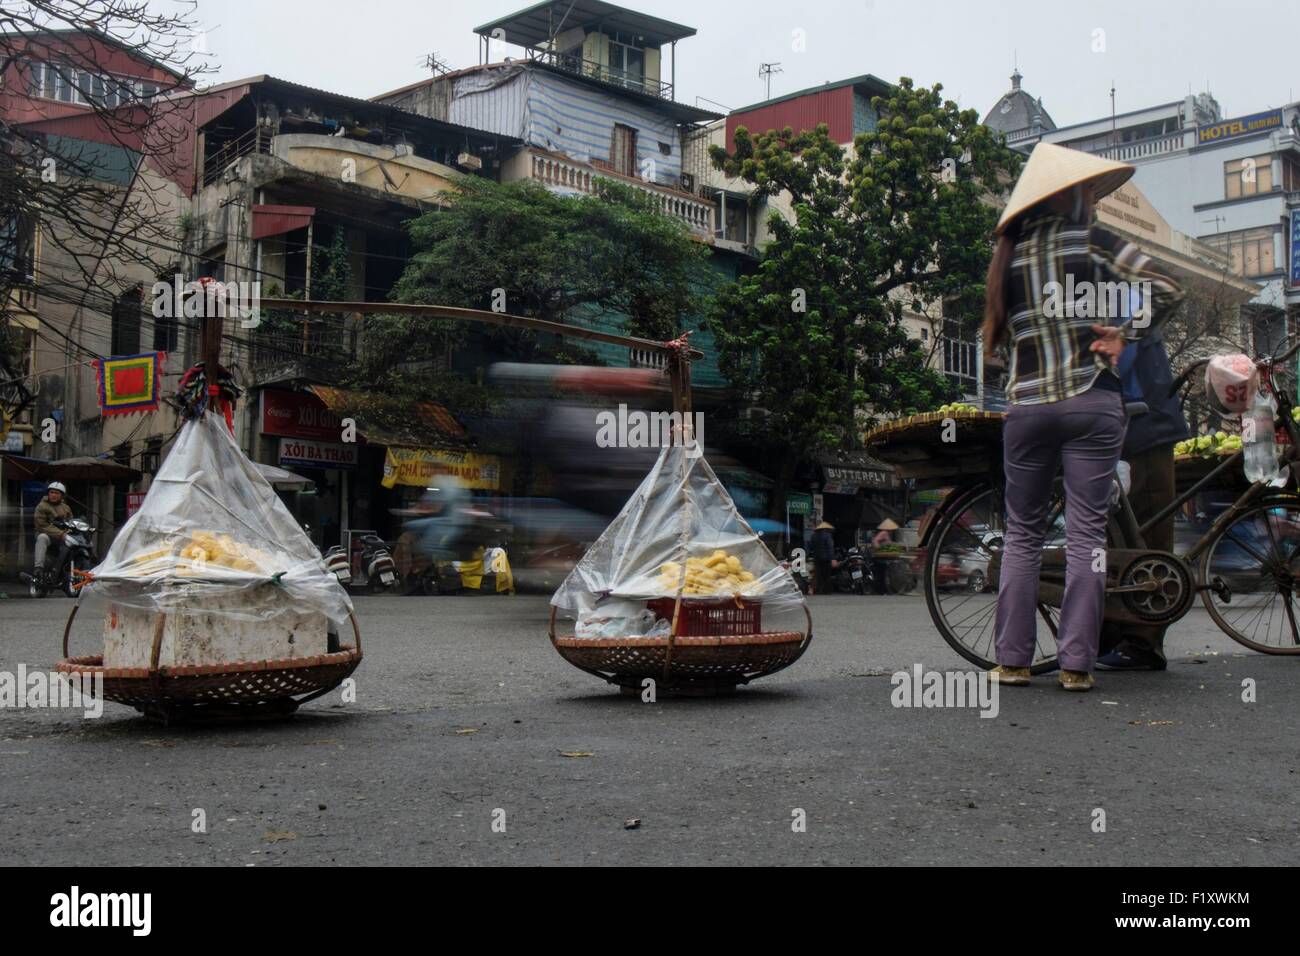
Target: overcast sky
[1243,51]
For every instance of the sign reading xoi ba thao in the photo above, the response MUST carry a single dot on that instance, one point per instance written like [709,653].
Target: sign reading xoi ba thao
[308,453]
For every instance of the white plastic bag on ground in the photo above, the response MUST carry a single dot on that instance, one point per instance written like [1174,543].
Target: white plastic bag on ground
[213,538]
[680,532]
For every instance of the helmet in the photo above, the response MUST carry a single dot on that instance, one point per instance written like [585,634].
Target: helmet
[1231,383]
[56,486]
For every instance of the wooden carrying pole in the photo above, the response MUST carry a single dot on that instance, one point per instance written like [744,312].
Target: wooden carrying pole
[679,358]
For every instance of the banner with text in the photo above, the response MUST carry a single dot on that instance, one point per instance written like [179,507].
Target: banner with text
[421,467]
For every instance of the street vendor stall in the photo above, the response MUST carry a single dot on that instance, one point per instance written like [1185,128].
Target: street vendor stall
[215,603]
[680,590]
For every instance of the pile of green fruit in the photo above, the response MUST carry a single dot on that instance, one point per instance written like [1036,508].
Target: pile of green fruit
[1204,446]
[956,407]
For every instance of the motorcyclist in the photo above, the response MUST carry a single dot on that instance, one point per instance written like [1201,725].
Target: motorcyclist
[50,510]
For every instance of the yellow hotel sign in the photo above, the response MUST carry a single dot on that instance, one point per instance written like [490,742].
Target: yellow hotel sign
[1243,126]
[422,467]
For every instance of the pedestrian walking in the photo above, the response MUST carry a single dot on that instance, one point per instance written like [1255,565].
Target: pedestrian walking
[1046,300]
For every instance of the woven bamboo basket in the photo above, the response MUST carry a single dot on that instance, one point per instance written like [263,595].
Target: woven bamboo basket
[215,692]
[685,663]
[919,446]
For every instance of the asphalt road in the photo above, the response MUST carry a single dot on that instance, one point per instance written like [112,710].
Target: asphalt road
[464,714]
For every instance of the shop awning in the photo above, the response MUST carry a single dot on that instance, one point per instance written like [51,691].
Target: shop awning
[383,420]
[93,470]
[277,220]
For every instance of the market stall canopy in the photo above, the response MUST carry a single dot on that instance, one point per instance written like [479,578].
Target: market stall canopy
[98,470]
[384,420]
[282,478]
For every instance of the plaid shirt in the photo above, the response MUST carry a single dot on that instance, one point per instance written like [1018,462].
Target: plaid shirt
[1049,338]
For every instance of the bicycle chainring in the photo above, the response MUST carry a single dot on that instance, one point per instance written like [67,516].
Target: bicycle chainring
[1173,591]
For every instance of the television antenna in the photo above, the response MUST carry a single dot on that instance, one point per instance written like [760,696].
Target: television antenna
[434,65]
[765,71]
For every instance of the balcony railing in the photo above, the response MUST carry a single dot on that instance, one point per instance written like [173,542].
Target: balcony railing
[305,344]
[1169,143]
[573,63]
[557,172]
[256,140]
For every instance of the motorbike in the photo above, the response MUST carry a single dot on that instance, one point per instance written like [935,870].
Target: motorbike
[377,566]
[850,576]
[377,562]
[75,553]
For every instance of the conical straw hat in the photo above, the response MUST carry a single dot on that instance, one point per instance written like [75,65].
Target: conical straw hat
[1052,169]
[887,525]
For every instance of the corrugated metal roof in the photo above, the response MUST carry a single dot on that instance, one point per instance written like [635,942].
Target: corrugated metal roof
[534,25]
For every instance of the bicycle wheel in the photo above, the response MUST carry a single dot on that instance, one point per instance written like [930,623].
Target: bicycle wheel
[1253,569]
[963,545]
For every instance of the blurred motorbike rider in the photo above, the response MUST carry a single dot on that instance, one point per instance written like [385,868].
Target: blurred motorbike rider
[50,509]
[443,521]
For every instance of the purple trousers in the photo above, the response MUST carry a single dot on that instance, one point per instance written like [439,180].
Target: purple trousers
[1082,435]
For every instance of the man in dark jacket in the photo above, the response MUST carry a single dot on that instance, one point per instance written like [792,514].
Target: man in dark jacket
[823,555]
[1149,451]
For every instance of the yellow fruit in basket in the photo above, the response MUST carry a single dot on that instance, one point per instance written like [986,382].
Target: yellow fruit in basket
[747,576]
[670,568]
[733,564]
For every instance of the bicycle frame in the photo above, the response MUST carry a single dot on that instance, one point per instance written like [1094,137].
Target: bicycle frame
[1133,535]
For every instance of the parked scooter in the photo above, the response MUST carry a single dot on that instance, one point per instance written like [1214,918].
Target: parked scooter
[75,553]
[851,575]
[378,571]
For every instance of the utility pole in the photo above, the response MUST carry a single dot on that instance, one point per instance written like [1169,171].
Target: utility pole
[765,71]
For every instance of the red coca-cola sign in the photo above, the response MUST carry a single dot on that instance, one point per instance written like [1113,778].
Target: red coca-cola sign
[298,415]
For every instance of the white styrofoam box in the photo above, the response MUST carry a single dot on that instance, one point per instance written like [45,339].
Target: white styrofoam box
[199,633]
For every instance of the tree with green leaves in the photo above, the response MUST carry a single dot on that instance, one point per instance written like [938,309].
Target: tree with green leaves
[520,248]
[902,221]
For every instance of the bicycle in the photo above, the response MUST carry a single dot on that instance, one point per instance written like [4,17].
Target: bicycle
[1246,565]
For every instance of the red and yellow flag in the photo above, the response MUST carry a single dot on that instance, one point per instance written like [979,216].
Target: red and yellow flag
[129,383]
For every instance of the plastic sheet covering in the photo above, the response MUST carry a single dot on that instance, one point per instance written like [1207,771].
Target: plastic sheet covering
[680,533]
[212,535]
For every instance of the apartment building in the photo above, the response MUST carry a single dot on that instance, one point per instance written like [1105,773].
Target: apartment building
[69,292]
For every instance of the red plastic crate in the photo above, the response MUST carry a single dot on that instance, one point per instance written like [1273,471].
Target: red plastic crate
[711,617]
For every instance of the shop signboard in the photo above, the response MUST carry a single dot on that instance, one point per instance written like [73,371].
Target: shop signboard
[421,467]
[305,453]
[845,480]
[1241,126]
[298,415]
